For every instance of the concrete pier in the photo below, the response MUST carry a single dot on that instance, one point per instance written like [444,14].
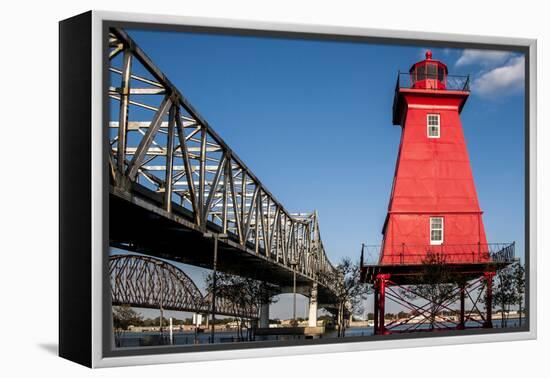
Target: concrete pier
[312,319]
[264,315]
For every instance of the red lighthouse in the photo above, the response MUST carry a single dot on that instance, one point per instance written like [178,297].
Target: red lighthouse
[433,205]
[433,208]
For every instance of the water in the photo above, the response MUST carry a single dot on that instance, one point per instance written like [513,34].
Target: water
[149,338]
[136,339]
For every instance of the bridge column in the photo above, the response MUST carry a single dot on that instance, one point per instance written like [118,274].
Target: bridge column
[312,319]
[264,315]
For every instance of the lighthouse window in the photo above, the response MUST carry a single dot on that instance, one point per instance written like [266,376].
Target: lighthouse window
[433,125]
[421,72]
[436,230]
[432,71]
[440,74]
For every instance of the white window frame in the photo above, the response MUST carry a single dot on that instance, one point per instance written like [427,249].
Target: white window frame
[438,117]
[437,242]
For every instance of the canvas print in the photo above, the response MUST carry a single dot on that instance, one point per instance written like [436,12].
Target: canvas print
[274,190]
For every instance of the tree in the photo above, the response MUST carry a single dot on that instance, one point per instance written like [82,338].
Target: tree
[157,321]
[243,294]
[402,315]
[123,317]
[504,293]
[350,292]
[508,291]
[519,284]
[326,319]
[436,284]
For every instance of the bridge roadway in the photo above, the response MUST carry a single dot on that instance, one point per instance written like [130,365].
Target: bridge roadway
[138,224]
[174,183]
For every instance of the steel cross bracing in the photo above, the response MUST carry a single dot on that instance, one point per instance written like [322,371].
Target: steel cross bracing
[420,314]
[146,282]
[159,142]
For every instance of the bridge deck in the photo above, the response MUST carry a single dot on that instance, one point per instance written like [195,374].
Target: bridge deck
[140,225]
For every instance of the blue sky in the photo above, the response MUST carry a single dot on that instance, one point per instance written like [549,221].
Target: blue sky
[312,119]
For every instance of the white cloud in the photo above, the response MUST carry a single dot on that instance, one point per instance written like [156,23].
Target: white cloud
[482,57]
[502,80]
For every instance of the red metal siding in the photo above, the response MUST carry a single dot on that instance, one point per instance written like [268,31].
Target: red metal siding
[433,178]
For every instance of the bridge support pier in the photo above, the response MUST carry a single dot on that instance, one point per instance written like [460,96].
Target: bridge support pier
[312,319]
[264,315]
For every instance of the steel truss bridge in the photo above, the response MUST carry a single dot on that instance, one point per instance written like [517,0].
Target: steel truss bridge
[174,182]
[146,282]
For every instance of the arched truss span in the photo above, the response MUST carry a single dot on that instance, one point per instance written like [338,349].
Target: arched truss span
[143,281]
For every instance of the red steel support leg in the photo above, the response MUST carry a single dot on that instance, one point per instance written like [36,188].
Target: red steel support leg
[461,324]
[382,278]
[489,305]
[381,302]
[376,296]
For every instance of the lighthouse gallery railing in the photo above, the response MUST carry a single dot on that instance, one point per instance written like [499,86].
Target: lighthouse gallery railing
[450,82]
[407,254]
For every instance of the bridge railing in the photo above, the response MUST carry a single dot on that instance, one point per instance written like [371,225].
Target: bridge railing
[160,142]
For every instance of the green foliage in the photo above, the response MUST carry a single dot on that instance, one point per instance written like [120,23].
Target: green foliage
[402,315]
[437,284]
[350,291]
[243,294]
[519,283]
[348,287]
[124,317]
[508,290]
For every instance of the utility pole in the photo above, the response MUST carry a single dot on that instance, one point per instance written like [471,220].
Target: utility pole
[215,236]
[171,332]
[294,300]
[161,309]
[293,264]
[214,278]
